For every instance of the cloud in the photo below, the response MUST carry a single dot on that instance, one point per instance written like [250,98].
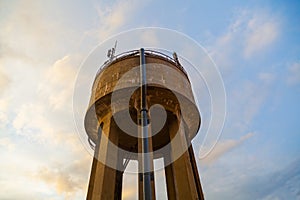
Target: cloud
[39,77]
[284,183]
[4,81]
[3,119]
[57,85]
[262,30]
[248,182]
[6,142]
[4,104]
[149,38]
[67,178]
[47,117]
[113,17]
[294,74]
[223,147]
[247,98]
[42,113]
[245,101]
[33,122]
[17,168]
[281,184]
[250,33]
[266,77]
[63,182]
[42,125]
[29,34]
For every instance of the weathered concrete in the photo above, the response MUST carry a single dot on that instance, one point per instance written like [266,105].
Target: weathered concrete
[168,86]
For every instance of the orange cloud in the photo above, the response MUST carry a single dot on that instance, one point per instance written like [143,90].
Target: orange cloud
[223,147]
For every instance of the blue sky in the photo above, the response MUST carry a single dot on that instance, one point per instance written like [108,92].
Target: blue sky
[255,45]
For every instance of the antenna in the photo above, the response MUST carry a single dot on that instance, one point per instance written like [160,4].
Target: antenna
[111,52]
[175,57]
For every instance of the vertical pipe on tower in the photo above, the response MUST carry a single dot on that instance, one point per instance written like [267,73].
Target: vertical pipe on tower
[147,193]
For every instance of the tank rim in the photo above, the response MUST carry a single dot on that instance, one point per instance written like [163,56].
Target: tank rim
[136,52]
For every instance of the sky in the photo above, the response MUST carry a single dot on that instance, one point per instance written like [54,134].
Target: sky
[254,44]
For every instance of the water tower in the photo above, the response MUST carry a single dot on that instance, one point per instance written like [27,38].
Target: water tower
[122,126]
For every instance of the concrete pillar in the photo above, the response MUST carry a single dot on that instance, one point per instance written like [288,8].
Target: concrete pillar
[106,182]
[195,173]
[180,174]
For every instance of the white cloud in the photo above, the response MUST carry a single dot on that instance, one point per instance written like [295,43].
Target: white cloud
[294,74]
[28,33]
[113,17]
[57,84]
[223,147]
[4,102]
[266,77]
[4,81]
[32,122]
[247,98]
[3,119]
[149,38]
[261,31]
[7,142]
[38,104]
[42,125]
[250,33]
[61,180]
[16,169]
[248,182]
[67,178]
[46,116]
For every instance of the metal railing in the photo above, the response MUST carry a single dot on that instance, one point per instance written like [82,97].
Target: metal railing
[150,52]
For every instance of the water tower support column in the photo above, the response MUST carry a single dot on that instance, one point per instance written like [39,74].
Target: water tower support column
[106,182]
[180,174]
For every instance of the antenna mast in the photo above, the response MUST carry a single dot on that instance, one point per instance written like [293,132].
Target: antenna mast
[111,52]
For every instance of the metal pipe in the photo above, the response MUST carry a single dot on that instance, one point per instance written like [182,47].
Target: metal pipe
[147,193]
